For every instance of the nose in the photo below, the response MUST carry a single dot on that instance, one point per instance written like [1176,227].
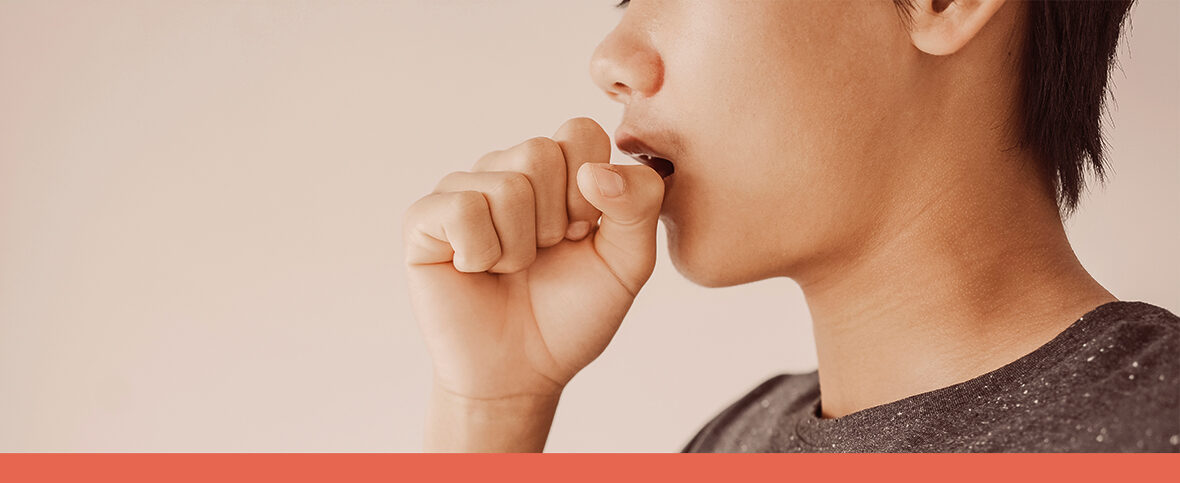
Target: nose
[626,65]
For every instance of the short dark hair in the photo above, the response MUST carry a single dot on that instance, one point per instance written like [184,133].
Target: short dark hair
[1069,51]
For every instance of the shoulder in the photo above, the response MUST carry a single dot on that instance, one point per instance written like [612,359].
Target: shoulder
[788,393]
[1133,330]
[1136,312]
[1118,387]
[1121,332]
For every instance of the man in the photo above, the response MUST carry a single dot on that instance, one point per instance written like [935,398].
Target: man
[907,163]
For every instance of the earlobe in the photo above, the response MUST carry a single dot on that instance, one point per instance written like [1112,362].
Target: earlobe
[942,27]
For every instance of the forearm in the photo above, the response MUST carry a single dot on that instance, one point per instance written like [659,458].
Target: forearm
[511,425]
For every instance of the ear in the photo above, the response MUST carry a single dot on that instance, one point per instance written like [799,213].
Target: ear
[942,27]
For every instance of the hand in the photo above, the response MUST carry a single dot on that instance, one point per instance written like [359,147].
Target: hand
[515,283]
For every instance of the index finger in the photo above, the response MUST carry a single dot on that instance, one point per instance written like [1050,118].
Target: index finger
[582,141]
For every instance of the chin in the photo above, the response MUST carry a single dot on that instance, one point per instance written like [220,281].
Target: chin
[708,264]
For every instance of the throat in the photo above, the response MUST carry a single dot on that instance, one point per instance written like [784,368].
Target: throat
[920,313]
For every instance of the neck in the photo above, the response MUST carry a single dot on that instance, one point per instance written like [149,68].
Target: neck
[967,280]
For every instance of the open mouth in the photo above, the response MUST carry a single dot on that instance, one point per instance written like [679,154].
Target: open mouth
[661,165]
[632,146]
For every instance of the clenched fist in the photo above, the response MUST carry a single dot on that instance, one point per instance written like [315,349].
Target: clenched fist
[522,268]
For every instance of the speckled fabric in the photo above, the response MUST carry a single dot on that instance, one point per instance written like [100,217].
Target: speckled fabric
[1109,383]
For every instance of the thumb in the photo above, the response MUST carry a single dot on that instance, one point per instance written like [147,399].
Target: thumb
[629,197]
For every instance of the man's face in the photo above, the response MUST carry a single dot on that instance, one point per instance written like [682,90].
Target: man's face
[780,118]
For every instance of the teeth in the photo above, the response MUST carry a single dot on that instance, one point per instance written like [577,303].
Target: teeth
[661,165]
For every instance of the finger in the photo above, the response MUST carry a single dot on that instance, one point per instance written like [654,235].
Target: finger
[582,141]
[451,227]
[629,198]
[510,199]
[542,163]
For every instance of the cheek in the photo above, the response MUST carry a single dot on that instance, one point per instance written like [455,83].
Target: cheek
[779,174]
[776,181]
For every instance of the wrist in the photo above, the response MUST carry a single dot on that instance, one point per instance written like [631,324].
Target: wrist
[518,423]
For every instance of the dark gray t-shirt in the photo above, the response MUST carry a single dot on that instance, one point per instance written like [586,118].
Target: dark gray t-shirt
[1109,382]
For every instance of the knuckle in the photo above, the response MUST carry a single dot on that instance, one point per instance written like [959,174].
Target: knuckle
[551,227]
[479,259]
[584,126]
[487,158]
[544,163]
[514,185]
[418,212]
[540,146]
[587,137]
[451,179]
[468,204]
[550,235]
[415,209]
[410,218]
[541,155]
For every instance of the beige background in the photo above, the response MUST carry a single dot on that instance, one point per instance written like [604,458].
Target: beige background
[200,210]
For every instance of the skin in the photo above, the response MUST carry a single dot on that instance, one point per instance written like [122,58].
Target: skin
[869,159]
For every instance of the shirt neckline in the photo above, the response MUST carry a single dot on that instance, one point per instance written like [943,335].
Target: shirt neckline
[812,427]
